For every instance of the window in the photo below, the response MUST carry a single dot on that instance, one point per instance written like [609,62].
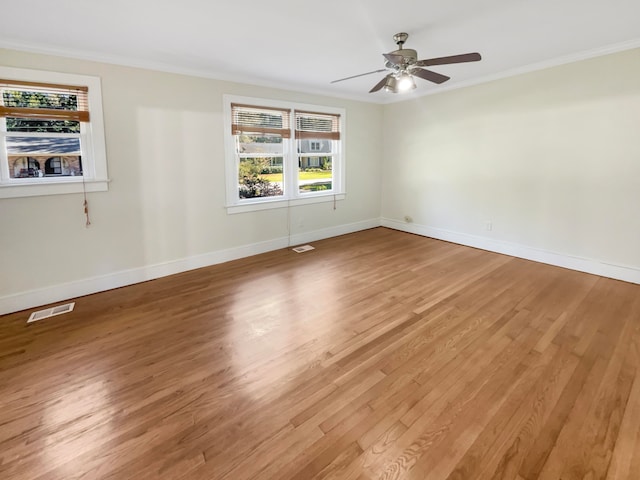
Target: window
[317,135]
[259,144]
[279,153]
[51,133]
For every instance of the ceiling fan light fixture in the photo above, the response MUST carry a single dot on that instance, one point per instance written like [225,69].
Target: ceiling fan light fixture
[391,85]
[405,83]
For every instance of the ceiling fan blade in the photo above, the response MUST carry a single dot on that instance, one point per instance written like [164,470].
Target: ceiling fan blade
[394,58]
[429,75]
[360,75]
[466,57]
[380,84]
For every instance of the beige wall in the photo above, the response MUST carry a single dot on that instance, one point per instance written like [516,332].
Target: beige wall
[551,158]
[164,135]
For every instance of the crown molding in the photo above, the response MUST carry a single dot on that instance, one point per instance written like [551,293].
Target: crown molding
[533,67]
[222,76]
[152,65]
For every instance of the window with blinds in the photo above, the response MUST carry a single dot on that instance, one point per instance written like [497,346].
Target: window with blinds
[42,125]
[260,135]
[282,152]
[48,132]
[317,135]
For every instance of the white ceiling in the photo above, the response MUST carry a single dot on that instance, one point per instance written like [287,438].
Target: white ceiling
[302,45]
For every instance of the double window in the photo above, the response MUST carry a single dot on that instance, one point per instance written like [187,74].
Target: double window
[51,134]
[279,151]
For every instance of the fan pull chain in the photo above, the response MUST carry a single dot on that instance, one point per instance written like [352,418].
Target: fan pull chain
[86,212]
[85,204]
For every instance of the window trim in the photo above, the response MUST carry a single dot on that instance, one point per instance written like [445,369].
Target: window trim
[94,159]
[292,197]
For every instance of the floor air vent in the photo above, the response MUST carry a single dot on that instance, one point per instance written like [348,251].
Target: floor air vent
[51,312]
[303,248]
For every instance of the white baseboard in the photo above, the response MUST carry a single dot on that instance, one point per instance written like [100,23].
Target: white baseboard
[619,272]
[330,232]
[86,286]
[78,288]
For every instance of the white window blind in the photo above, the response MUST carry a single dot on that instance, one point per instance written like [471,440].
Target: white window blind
[253,120]
[317,125]
[34,100]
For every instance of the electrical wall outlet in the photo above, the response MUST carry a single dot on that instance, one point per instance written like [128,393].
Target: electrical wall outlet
[488,225]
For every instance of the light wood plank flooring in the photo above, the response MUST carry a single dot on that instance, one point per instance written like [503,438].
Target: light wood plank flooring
[379,355]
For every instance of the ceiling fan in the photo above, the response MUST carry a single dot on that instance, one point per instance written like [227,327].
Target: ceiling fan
[404,66]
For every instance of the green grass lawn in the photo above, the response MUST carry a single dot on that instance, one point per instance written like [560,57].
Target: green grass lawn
[277,177]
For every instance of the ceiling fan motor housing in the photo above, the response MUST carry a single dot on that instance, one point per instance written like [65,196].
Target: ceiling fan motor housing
[410,57]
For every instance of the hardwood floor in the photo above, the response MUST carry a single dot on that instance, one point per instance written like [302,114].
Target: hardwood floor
[379,355]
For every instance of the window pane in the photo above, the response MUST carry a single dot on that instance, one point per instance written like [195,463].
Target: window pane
[42,99]
[43,145]
[43,166]
[43,157]
[315,174]
[260,177]
[42,126]
[315,145]
[264,144]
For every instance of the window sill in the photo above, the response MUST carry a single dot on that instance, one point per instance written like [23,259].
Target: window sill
[270,204]
[36,189]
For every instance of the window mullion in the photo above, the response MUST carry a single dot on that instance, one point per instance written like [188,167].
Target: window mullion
[260,155]
[4,156]
[291,177]
[44,134]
